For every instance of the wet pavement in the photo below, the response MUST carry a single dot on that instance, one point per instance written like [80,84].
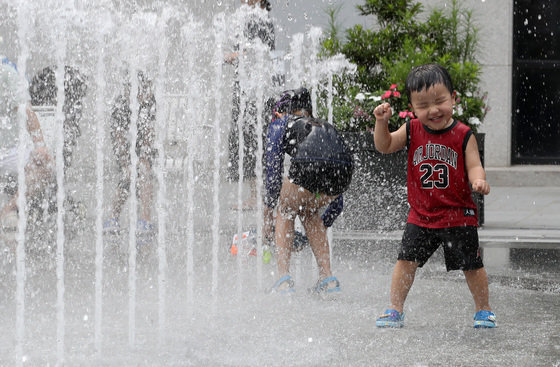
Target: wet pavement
[249,328]
[245,327]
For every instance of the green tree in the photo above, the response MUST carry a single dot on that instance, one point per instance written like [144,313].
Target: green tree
[385,56]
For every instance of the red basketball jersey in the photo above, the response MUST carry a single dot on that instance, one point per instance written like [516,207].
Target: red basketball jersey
[439,193]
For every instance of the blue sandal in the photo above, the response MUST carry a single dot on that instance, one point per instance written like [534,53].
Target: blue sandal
[277,287]
[390,319]
[484,319]
[322,286]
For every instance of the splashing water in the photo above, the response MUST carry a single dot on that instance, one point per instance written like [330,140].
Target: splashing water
[183,58]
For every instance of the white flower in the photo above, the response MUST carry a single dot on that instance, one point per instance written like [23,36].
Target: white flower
[375,98]
[474,121]
[360,96]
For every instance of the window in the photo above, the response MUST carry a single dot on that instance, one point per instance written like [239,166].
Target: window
[536,82]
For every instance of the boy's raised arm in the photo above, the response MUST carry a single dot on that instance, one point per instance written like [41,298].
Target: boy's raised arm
[385,141]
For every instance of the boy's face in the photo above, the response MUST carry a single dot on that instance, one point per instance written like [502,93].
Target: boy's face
[433,106]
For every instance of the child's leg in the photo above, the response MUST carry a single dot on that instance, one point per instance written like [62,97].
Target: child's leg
[145,188]
[284,240]
[121,194]
[284,234]
[251,201]
[121,155]
[308,209]
[401,282]
[477,281]
[317,235]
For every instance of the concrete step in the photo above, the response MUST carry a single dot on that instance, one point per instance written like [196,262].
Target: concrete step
[525,175]
[488,237]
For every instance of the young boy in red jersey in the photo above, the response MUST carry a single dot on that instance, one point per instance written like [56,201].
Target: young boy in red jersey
[443,164]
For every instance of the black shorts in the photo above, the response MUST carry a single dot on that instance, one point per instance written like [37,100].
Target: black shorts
[460,246]
[321,177]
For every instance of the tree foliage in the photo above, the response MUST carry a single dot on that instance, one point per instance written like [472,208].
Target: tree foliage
[384,56]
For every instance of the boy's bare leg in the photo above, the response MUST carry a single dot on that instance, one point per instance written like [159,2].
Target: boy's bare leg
[477,281]
[401,282]
[317,235]
[123,190]
[145,189]
[284,237]
[251,201]
[289,205]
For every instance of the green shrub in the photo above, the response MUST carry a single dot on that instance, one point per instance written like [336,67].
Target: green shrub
[384,57]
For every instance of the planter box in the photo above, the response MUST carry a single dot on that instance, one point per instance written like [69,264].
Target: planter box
[377,197]
[479,198]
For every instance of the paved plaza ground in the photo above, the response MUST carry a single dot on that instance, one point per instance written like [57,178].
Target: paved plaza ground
[245,327]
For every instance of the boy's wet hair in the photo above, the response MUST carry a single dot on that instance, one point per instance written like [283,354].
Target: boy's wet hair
[425,76]
[293,100]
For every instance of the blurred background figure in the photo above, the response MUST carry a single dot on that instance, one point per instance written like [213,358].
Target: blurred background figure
[39,172]
[145,150]
[255,26]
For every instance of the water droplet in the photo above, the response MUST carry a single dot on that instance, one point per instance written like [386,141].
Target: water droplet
[526,21]
[290,17]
